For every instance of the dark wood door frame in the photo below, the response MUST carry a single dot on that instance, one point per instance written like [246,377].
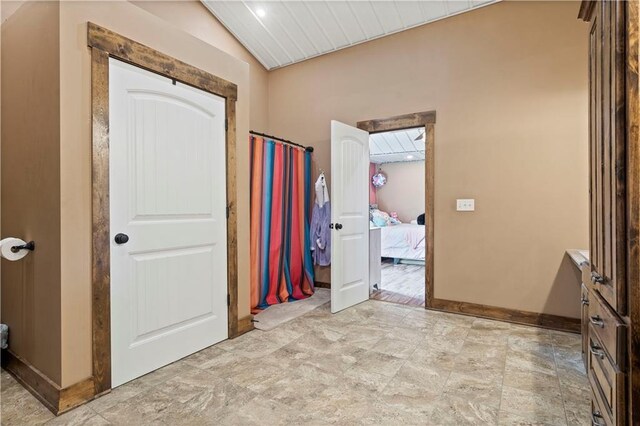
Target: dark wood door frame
[105,44]
[426,119]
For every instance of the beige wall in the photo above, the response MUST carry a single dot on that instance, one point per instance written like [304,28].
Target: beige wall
[31,184]
[509,84]
[404,191]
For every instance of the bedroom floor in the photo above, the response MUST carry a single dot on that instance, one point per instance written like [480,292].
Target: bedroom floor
[375,363]
[401,283]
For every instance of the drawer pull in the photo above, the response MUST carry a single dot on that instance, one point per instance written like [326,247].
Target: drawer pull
[597,419]
[596,350]
[584,301]
[597,321]
[596,278]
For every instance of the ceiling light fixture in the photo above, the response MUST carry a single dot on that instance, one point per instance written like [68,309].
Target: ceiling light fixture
[261,12]
[409,157]
[420,138]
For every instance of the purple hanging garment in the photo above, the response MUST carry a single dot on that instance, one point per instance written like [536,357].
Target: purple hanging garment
[320,220]
[321,234]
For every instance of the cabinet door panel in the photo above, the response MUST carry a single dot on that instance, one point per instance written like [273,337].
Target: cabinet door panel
[607,152]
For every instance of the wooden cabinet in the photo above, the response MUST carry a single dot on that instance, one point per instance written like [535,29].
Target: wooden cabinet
[607,151]
[610,291]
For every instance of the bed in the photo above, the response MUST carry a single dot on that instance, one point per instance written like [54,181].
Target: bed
[403,241]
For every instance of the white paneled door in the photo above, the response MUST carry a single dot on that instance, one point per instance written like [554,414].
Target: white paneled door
[349,216]
[168,221]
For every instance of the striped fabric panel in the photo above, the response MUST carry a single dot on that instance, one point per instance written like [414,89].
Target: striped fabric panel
[281,263]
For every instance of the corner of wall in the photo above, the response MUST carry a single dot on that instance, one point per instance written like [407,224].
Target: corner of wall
[31,203]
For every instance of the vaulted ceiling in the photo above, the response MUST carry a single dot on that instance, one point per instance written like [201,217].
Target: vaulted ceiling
[397,146]
[280,33]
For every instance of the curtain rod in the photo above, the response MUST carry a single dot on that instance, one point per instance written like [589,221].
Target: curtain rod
[264,135]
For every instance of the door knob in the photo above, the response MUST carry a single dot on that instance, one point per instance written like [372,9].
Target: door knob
[338,226]
[121,238]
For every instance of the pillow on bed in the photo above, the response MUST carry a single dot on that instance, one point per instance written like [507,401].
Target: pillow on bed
[380,218]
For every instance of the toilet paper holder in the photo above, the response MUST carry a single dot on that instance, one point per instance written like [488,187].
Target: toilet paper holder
[31,245]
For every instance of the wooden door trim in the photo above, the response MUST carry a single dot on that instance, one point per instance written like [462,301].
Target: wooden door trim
[426,119]
[105,44]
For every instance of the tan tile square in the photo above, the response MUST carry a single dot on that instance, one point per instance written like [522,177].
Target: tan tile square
[529,419]
[367,382]
[415,386]
[573,377]
[434,358]
[144,408]
[18,406]
[577,405]
[376,362]
[78,416]
[256,412]
[532,403]
[455,411]
[163,374]
[395,347]
[531,361]
[119,394]
[518,377]
[212,357]
[485,391]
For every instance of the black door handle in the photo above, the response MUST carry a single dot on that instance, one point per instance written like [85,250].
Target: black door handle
[121,238]
[338,226]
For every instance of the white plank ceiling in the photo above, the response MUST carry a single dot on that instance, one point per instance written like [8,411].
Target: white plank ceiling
[397,146]
[280,33]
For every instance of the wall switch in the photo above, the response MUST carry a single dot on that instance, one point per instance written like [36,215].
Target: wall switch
[465,205]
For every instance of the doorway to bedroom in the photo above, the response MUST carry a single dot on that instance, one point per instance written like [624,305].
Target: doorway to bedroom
[397,243]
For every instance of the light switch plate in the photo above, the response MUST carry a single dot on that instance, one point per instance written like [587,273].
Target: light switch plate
[465,204]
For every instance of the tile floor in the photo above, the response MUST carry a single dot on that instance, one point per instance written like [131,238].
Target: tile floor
[376,363]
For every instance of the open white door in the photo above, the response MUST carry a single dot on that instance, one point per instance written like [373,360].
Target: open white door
[349,216]
[168,221]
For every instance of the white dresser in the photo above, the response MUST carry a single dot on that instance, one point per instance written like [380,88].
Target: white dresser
[375,261]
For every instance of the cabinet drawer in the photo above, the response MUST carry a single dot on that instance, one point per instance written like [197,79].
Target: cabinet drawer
[607,382]
[610,329]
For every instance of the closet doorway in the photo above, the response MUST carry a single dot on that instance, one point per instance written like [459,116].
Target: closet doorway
[164,267]
[401,256]
[167,218]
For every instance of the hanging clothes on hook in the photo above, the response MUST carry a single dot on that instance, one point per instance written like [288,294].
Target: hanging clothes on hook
[320,221]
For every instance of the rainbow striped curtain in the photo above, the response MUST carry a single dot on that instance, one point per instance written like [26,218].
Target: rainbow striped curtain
[281,264]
